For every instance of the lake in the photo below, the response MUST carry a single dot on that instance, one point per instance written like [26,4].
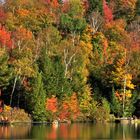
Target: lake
[75,131]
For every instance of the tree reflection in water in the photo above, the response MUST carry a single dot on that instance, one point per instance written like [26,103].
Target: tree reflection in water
[16,131]
[87,131]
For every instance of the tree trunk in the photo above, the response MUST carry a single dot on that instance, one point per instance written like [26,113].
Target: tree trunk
[124,93]
[15,81]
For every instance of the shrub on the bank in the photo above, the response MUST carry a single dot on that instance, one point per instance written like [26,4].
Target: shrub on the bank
[100,111]
[14,115]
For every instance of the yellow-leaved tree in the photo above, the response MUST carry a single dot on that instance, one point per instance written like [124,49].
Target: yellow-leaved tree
[123,79]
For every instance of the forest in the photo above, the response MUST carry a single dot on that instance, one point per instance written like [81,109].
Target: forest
[69,59]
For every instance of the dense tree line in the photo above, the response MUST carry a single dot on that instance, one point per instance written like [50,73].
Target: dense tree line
[70,59]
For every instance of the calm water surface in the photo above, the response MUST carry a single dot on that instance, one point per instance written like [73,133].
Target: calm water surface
[78,131]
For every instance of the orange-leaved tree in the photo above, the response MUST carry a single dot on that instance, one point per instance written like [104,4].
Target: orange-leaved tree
[74,106]
[69,109]
[52,106]
[64,111]
[5,39]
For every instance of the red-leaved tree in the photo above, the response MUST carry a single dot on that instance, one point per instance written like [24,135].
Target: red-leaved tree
[65,111]
[5,39]
[51,104]
[2,16]
[52,3]
[107,12]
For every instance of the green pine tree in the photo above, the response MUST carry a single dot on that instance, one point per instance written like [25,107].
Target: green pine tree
[95,5]
[54,80]
[5,71]
[38,99]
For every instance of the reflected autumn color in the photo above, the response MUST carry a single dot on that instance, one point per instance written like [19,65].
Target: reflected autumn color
[90,131]
[53,133]
[64,131]
[17,131]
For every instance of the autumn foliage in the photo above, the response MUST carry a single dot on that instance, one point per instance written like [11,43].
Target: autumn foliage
[2,16]
[64,111]
[52,3]
[107,12]
[70,108]
[22,34]
[51,104]
[74,106]
[5,39]
[69,56]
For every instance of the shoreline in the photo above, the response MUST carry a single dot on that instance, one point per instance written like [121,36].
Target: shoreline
[122,121]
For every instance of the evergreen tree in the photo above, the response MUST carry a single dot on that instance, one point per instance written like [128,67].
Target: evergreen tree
[95,5]
[5,72]
[38,99]
[53,75]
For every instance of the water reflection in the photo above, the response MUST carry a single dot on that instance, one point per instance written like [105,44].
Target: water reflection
[16,131]
[86,131]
